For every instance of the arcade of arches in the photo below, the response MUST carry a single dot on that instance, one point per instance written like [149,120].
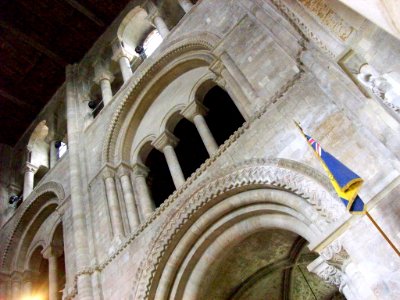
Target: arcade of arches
[168,165]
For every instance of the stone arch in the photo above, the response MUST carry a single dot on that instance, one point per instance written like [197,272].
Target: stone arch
[30,215]
[202,86]
[54,232]
[140,153]
[171,118]
[134,27]
[31,262]
[182,56]
[37,145]
[284,193]
[28,234]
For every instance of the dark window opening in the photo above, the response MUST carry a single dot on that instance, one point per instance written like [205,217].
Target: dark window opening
[61,277]
[117,83]
[223,117]
[96,104]
[190,150]
[42,170]
[159,180]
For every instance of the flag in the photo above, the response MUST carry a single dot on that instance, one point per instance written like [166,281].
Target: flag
[345,182]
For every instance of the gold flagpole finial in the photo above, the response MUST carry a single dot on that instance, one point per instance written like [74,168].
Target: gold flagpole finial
[298,125]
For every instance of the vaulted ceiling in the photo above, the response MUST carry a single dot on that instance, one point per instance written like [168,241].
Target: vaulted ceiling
[270,264]
[37,40]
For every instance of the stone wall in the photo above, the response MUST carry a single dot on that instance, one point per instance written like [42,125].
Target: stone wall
[280,61]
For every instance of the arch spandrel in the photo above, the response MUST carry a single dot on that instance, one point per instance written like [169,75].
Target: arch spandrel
[180,56]
[34,210]
[314,201]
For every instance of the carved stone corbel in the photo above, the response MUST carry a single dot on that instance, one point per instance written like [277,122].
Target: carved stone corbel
[327,272]
[335,254]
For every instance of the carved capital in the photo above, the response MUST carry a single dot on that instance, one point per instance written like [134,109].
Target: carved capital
[106,75]
[124,170]
[335,254]
[119,51]
[29,275]
[193,109]
[102,73]
[140,170]
[16,276]
[108,172]
[330,274]
[165,139]
[29,168]
[217,67]
[52,251]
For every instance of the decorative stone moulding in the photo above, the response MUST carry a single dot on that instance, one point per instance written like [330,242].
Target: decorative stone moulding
[335,254]
[301,27]
[202,42]
[292,177]
[289,176]
[253,174]
[39,197]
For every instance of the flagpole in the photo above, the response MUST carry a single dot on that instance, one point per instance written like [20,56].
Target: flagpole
[366,212]
[383,233]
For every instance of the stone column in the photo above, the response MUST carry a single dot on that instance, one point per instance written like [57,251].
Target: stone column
[29,176]
[52,137]
[80,232]
[53,153]
[4,282]
[27,279]
[355,287]
[120,56]
[51,253]
[113,204]
[186,5]
[195,112]
[131,209]
[161,26]
[333,276]
[146,204]
[15,286]
[166,143]
[104,78]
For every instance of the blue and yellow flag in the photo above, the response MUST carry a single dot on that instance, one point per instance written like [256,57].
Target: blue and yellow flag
[345,182]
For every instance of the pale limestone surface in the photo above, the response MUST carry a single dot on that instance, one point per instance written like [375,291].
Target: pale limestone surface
[279,62]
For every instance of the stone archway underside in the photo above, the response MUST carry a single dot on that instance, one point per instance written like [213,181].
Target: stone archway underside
[34,210]
[306,201]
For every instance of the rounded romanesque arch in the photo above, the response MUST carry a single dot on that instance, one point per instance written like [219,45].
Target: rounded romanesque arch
[30,215]
[243,200]
[181,56]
